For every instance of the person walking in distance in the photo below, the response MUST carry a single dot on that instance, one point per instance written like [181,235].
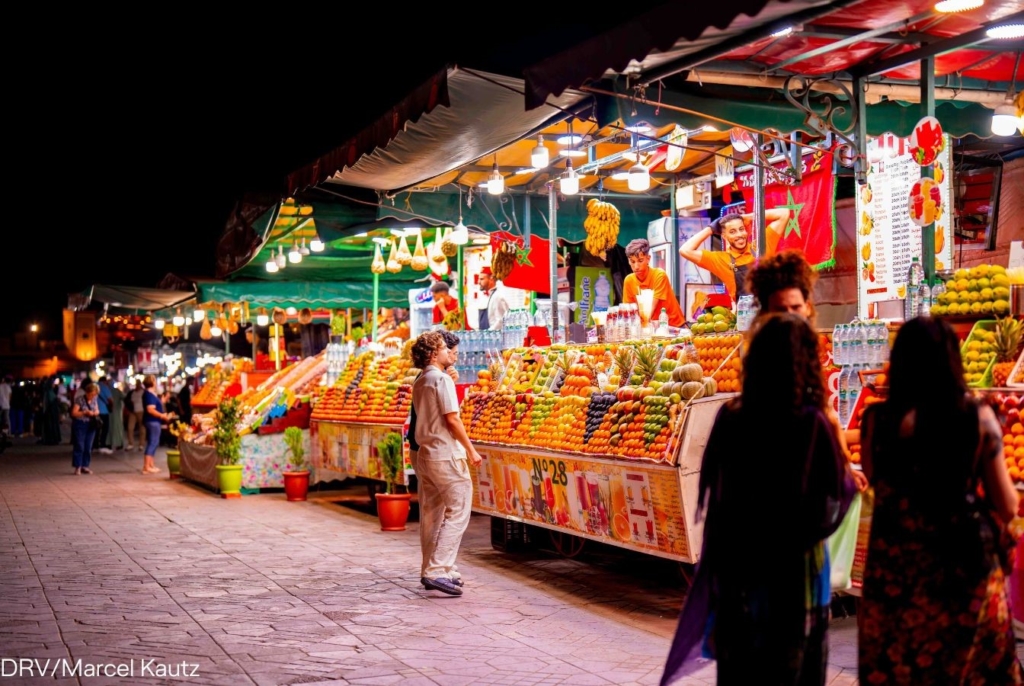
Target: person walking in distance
[445,486]
[85,414]
[135,416]
[106,400]
[154,417]
[934,606]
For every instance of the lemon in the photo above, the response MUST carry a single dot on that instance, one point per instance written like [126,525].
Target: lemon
[988,336]
[973,296]
[1001,293]
[972,356]
[975,272]
[974,345]
[972,285]
[1000,307]
[994,269]
[986,293]
[960,274]
[975,306]
[962,284]
[984,270]
[1000,280]
[951,285]
[983,283]
[965,308]
[986,307]
[938,310]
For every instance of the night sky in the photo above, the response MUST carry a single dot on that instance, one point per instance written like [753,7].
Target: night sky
[129,149]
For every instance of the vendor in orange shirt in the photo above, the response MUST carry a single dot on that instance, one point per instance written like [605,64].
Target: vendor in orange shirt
[645,276]
[732,264]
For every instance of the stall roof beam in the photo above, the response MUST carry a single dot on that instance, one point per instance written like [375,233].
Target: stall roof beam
[939,47]
[842,32]
[743,40]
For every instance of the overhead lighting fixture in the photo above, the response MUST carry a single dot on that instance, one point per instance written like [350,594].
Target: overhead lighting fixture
[215,330]
[573,152]
[262,319]
[708,128]
[303,248]
[949,6]
[639,178]
[460,234]
[539,157]
[280,260]
[640,127]
[570,183]
[495,182]
[199,315]
[1006,31]
[271,265]
[571,139]
[785,31]
[528,170]
[620,176]
[294,256]
[178,320]
[1004,119]
[158,323]
[290,311]
[316,245]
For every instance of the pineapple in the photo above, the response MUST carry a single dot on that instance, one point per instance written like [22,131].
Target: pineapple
[623,363]
[1007,341]
[647,358]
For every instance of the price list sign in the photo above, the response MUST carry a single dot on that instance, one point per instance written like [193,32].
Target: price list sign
[887,238]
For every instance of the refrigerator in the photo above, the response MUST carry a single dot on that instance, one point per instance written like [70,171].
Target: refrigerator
[421,311]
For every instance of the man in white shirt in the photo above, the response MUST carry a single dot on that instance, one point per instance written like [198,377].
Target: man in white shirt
[135,417]
[496,305]
[445,487]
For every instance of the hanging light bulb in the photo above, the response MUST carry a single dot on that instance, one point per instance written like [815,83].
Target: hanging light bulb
[495,182]
[294,256]
[271,265]
[215,330]
[539,157]
[570,183]
[460,234]
[199,315]
[639,178]
[1004,119]
[280,260]
[262,319]
[316,245]
[949,6]
[303,250]
[178,319]
[158,323]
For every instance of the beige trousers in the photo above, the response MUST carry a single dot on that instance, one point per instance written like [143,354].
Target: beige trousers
[445,498]
[135,418]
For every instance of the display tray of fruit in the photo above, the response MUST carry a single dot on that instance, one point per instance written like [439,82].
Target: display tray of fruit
[980,291]
[719,355]
[1007,408]
[1017,375]
[1007,368]
[717,320]
[979,353]
[370,390]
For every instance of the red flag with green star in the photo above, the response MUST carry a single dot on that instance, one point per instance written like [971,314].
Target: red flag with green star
[812,226]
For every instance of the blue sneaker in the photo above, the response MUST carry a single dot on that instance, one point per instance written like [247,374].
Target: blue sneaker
[442,584]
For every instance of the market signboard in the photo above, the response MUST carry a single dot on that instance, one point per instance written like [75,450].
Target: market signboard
[631,505]
[887,236]
[348,448]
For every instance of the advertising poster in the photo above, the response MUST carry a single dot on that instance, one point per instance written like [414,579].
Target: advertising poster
[349,448]
[593,290]
[637,506]
[887,238]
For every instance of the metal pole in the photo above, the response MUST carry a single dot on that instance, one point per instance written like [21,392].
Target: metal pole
[348,322]
[677,276]
[928,110]
[758,211]
[277,346]
[553,256]
[376,303]
[461,266]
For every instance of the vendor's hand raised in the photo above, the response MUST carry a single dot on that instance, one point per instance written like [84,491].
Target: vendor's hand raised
[716,227]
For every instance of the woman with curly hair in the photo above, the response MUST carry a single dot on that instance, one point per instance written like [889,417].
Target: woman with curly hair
[767,626]
[935,608]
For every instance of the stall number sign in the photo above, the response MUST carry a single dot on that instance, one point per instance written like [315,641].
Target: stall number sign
[887,239]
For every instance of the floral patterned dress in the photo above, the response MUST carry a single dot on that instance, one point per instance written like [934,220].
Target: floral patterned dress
[935,606]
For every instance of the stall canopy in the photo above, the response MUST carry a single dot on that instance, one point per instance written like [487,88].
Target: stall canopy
[316,295]
[130,299]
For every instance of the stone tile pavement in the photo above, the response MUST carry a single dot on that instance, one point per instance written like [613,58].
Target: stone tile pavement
[120,570]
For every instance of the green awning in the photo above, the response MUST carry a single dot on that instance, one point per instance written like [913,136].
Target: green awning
[323,294]
[957,118]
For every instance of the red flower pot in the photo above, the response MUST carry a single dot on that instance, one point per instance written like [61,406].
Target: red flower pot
[296,484]
[393,510]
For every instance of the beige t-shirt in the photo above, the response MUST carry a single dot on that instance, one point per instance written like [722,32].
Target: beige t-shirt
[434,396]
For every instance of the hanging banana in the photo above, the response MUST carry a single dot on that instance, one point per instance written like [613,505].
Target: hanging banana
[602,226]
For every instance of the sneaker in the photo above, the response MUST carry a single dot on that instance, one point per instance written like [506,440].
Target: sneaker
[457,580]
[105,451]
[442,584]
[129,447]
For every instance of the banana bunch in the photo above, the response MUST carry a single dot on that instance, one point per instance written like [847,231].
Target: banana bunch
[602,226]
[503,260]
[453,320]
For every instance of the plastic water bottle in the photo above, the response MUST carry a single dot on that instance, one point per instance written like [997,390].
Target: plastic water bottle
[602,291]
[924,299]
[915,275]
[844,397]
[856,344]
[745,312]
[937,291]
[663,323]
[854,386]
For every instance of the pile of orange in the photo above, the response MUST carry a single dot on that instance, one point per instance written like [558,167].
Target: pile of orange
[712,350]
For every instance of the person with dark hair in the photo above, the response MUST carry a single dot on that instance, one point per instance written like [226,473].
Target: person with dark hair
[784,282]
[935,608]
[644,276]
[445,487]
[185,399]
[443,301]
[731,264]
[85,417]
[767,625]
[154,417]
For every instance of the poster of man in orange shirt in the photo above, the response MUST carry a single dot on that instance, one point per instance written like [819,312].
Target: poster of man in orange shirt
[732,264]
[645,276]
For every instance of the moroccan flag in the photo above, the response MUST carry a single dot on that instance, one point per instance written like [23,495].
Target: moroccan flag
[532,269]
[812,226]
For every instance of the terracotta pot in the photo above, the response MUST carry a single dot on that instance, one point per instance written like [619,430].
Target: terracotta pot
[296,484]
[393,510]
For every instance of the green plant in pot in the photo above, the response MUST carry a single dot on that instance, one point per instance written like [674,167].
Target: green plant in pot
[182,432]
[296,479]
[228,445]
[392,506]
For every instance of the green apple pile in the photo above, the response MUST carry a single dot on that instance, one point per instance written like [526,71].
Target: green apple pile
[719,319]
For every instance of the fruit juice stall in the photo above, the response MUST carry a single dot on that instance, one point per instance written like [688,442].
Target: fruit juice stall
[282,400]
[602,442]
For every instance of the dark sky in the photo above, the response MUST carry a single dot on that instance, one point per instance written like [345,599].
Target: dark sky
[129,148]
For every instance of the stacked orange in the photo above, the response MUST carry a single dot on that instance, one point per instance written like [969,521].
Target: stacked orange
[713,349]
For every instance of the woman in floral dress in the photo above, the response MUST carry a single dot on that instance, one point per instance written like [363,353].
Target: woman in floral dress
[935,608]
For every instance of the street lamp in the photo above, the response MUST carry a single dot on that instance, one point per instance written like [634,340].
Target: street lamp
[34,328]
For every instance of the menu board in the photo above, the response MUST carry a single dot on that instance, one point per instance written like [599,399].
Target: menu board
[887,238]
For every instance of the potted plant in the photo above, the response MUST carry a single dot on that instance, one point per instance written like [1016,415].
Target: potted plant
[392,506]
[183,432]
[296,479]
[229,448]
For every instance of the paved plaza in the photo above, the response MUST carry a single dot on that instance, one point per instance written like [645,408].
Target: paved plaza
[123,571]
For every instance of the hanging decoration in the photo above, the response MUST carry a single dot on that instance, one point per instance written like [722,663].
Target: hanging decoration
[435,252]
[448,246]
[378,266]
[393,265]
[204,330]
[927,141]
[404,257]
[419,258]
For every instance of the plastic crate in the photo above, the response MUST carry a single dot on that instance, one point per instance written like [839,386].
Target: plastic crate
[981,326]
[510,536]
